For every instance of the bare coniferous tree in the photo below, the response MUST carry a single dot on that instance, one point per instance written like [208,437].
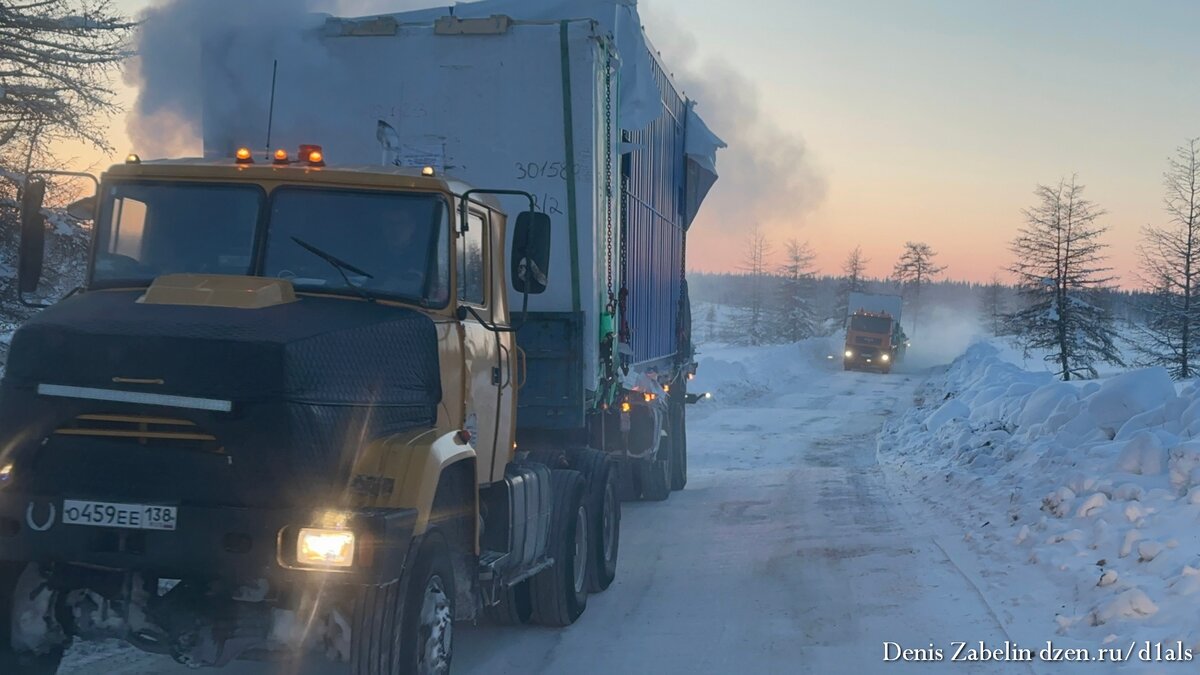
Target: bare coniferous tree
[915,269]
[854,272]
[993,305]
[1060,270]
[1170,264]
[710,322]
[794,316]
[751,317]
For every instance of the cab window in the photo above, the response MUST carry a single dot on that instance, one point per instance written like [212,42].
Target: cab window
[471,273]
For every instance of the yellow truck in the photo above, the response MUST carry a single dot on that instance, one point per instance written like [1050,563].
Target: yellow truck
[208,462]
[324,396]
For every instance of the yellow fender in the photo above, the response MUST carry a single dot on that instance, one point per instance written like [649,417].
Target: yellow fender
[417,465]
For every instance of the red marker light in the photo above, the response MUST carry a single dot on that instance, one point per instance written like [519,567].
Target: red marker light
[313,154]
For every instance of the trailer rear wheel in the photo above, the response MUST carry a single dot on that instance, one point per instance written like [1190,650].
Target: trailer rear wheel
[679,465]
[12,662]
[559,593]
[656,474]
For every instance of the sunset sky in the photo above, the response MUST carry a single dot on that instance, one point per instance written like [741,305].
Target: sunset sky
[929,120]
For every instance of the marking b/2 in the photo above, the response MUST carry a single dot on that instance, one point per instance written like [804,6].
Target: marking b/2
[547,204]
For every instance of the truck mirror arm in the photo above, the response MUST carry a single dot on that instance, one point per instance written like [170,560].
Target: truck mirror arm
[463,207]
[37,265]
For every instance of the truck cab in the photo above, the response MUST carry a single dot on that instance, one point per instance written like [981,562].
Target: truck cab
[280,414]
[874,341]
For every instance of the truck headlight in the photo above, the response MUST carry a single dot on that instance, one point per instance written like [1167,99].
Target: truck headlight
[885,358]
[326,548]
[849,354]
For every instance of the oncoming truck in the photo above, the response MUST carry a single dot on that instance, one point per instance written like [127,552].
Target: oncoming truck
[304,401]
[874,337]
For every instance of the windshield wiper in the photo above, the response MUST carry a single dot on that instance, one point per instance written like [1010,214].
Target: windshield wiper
[340,265]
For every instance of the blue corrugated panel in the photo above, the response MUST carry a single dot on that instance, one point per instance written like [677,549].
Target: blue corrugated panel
[654,184]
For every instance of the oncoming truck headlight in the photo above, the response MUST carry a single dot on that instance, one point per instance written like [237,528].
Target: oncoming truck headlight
[849,354]
[325,548]
[885,358]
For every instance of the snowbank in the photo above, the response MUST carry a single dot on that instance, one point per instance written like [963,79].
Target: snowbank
[736,374]
[1097,481]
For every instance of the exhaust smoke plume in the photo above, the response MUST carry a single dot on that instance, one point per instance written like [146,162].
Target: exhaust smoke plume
[767,178]
[943,334]
[166,119]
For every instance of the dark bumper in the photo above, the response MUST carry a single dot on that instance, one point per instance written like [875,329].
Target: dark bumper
[860,363]
[215,542]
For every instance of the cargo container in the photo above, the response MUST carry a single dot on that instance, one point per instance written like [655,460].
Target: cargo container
[581,112]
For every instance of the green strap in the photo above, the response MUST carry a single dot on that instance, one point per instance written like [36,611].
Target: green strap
[569,140]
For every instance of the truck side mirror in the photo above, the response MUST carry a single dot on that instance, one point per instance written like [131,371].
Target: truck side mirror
[531,253]
[33,236]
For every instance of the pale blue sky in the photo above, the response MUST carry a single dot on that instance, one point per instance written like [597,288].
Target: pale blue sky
[934,119]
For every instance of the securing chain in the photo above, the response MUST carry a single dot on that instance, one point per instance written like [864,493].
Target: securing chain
[608,185]
[624,333]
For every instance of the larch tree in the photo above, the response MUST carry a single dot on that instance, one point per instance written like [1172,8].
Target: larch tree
[1060,267]
[1170,269]
[854,272]
[752,325]
[793,312]
[912,271]
[992,305]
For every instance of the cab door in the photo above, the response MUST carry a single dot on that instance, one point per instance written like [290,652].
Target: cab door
[487,354]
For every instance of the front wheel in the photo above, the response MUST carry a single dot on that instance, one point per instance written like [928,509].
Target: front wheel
[13,662]
[427,628]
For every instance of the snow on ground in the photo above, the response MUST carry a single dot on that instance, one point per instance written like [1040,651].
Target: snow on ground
[1096,484]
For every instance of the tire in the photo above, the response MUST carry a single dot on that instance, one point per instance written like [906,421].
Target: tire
[679,462]
[427,626]
[559,593]
[393,623]
[604,506]
[11,662]
[515,607]
[655,475]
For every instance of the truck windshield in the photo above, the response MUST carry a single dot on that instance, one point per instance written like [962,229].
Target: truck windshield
[398,240]
[871,324]
[149,229]
[401,241]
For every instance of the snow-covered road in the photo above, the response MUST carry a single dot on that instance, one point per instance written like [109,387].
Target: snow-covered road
[789,551]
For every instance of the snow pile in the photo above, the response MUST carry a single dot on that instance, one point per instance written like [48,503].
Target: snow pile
[736,375]
[1097,481]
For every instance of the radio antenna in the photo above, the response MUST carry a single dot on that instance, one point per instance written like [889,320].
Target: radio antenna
[271,110]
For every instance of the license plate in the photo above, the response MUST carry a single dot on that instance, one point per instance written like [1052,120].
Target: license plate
[125,516]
